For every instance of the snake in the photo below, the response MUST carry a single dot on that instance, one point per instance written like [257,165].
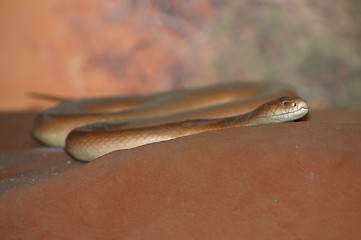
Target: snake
[92,127]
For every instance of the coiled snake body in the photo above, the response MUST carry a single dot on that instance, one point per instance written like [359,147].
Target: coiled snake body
[90,128]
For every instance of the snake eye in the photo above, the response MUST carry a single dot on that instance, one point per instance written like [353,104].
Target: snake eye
[292,104]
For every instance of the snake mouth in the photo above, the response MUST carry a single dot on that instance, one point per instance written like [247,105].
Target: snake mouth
[291,114]
[298,113]
[303,107]
[302,111]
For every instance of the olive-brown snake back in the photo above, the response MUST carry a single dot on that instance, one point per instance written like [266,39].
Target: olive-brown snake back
[93,127]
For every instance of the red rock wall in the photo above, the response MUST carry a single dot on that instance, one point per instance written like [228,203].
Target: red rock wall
[92,48]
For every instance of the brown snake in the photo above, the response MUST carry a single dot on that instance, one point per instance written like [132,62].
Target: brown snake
[89,128]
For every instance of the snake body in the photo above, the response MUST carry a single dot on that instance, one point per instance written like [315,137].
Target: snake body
[90,128]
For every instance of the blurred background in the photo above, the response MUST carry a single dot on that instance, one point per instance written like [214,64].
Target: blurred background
[88,48]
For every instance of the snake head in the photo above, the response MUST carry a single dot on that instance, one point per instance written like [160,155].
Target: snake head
[284,109]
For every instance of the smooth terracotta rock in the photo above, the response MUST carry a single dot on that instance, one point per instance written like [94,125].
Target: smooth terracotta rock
[280,181]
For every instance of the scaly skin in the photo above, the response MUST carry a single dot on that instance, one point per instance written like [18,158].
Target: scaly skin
[52,126]
[90,142]
[93,127]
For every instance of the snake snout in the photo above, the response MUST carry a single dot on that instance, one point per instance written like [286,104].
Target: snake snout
[284,109]
[303,105]
[300,109]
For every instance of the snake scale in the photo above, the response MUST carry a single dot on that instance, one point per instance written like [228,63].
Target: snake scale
[89,128]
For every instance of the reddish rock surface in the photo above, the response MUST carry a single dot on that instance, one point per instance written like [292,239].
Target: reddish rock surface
[281,181]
